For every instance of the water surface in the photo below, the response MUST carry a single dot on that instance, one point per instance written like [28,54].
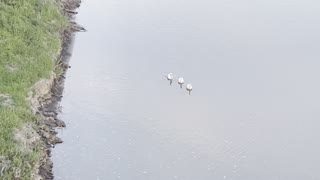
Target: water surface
[253,114]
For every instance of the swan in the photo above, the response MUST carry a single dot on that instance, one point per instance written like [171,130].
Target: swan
[170,77]
[180,81]
[189,88]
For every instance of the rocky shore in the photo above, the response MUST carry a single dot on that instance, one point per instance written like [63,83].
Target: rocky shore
[47,94]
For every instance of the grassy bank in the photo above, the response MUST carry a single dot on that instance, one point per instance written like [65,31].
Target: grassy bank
[29,45]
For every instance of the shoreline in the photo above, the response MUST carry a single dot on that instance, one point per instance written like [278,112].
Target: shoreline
[35,49]
[49,103]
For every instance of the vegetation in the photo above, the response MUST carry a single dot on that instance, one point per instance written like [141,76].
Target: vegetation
[29,44]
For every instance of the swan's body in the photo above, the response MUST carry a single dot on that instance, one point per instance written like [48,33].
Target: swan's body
[189,88]
[170,77]
[180,81]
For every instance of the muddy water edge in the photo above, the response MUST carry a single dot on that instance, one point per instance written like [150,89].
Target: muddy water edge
[45,101]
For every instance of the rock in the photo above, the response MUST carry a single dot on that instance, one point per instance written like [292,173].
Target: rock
[46,135]
[50,121]
[60,123]
[49,114]
[57,140]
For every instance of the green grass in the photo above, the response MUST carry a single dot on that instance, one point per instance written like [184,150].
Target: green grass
[29,43]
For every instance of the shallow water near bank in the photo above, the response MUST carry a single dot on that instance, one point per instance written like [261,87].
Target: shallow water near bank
[253,113]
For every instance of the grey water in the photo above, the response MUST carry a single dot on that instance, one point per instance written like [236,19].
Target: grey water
[254,112]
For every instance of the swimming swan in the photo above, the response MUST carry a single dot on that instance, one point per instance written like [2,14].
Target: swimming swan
[189,88]
[170,77]
[180,81]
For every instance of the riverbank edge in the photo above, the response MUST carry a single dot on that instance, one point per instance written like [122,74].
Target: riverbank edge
[46,94]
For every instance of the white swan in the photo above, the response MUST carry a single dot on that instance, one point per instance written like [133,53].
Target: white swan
[170,77]
[180,81]
[189,88]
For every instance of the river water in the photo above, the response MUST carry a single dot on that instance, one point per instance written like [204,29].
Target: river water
[254,112]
